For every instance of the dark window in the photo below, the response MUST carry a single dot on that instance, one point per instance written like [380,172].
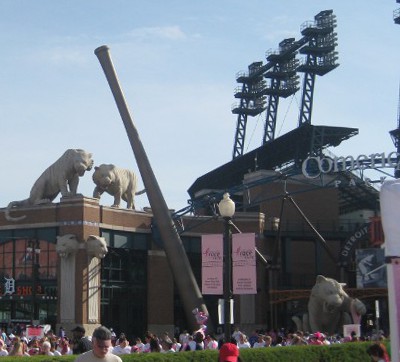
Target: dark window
[123,292]
[28,256]
[120,239]
[124,282]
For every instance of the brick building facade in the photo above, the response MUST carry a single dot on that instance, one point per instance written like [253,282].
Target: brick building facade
[132,288]
[135,289]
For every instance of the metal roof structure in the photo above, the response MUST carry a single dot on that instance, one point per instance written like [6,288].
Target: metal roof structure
[291,148]
[286,154]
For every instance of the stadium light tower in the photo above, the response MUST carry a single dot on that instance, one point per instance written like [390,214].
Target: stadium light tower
[284,82]
[396,15]
[252,102]
[320,59]
[257,94]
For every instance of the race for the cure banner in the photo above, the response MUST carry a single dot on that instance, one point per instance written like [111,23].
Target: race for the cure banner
[34,331]
[244,264]
[212,263]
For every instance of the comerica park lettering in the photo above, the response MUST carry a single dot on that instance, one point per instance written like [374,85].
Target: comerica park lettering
[314,166]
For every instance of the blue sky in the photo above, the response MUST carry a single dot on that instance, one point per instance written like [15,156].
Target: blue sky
[176,61]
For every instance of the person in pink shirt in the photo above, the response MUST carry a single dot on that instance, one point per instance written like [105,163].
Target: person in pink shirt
[211,342]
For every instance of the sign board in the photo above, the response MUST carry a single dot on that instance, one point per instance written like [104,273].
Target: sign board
[371,268]
[212,264]
[34,332]
[349,328]
[244,263]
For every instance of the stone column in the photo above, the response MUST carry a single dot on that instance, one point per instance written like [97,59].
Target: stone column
[67,247]
[96,249]
[79,271]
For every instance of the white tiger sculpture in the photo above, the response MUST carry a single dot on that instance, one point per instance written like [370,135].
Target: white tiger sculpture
[118,182]
[329,308]
[96,246]
[67,245]
[55,179]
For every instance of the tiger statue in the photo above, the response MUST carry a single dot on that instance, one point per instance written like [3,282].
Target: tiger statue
[329,308]
[118,182]
[67,245]
[63,173]
[96,246]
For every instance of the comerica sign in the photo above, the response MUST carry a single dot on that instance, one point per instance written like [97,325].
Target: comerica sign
[314,166]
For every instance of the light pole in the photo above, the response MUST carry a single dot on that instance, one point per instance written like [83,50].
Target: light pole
[274,266]
[34,249]
[377,315]
[226,209]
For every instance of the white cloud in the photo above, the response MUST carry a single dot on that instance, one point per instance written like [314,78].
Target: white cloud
[71,56]
[167,32]
[65,55]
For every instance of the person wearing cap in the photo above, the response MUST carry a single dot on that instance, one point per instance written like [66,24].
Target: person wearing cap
[102,347]
[229,352]
[80,343]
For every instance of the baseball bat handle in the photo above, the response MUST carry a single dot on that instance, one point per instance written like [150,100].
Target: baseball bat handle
[103,54]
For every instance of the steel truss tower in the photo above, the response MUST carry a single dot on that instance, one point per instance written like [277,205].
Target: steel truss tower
[318,44]
[284,82]
[252,102]
[396,15]
[321,57]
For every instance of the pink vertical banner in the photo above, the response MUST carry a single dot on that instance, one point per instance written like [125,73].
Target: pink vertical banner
[212,264]
[244,273]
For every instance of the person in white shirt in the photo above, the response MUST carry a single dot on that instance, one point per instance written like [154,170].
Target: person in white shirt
[184,337]
[166,346]
[191,344]
[101,348]
[122,346]
[176,345]
[53,347]
[260,342]
[268,341]
[3,350]
[140,347]
[148,337]
[236,334]
[243,342]
[64,347]
[46,346]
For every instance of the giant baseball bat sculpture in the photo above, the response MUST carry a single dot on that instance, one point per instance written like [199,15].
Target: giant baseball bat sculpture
[176,255]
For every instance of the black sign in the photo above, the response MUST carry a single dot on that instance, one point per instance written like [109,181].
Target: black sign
[349,245]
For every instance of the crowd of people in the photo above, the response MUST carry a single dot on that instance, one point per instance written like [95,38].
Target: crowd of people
[274,338]
[16,343]
[58,345]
